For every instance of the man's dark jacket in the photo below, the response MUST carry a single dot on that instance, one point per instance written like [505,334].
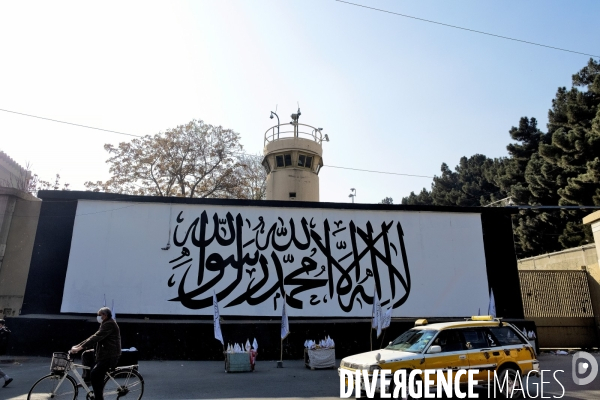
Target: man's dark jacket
[107,340]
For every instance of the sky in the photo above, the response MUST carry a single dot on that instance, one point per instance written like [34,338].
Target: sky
[393,94]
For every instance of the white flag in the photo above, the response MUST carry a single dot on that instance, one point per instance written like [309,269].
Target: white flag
[217,322]
[492,306]
[285,326]
[374,311]
[387,319]
[377,315]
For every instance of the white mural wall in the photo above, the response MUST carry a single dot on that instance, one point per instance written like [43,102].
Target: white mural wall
[157,258]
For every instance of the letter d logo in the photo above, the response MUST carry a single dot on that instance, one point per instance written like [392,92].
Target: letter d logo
[583,368]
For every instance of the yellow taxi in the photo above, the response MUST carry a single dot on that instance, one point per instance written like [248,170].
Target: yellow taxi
[480,343]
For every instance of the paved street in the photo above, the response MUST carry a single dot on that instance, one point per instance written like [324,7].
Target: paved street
[207,380]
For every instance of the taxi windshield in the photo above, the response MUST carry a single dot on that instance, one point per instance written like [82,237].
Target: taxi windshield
[413,341]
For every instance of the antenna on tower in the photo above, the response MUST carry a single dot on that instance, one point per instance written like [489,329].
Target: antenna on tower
[296,117]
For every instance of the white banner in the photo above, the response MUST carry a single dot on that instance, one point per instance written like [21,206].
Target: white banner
[217,320]
[157,258]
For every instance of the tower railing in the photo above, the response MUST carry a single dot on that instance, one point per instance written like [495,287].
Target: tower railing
[293,130]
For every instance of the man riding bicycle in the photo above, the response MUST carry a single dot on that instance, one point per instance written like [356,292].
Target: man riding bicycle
[107,342]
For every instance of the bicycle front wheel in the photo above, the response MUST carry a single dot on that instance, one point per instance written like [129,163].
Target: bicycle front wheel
[124,384]
[61,387]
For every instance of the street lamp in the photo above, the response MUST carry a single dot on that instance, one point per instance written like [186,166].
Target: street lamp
[353,195]
[275,114]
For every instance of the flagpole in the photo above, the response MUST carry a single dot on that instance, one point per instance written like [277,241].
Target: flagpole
[281,342]
[371,333]
[371,324]
[280,362]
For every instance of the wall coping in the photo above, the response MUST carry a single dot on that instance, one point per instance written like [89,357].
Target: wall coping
[593,217]
[8,191]
[571,250]
[74,195]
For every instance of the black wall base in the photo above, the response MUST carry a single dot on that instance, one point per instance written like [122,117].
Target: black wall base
[194,340]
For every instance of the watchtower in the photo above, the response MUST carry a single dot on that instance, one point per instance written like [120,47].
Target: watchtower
[293,158]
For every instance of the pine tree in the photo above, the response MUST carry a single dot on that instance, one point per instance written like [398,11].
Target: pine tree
[560,167]
[423,198]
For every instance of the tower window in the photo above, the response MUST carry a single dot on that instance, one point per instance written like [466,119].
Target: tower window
[292,195]
[279,161]
[283,160]
[308,162]
[304,161]
[301,160]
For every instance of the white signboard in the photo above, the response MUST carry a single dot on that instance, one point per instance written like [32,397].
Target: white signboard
[157,258]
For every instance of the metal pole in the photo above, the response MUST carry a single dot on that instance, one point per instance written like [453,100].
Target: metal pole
[371,333]
[278,123]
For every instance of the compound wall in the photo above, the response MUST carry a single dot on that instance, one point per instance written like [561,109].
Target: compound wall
[163,258]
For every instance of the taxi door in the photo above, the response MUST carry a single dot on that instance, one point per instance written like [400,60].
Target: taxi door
[451,358]
[483,351]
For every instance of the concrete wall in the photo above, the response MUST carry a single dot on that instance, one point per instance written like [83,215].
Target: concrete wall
[566,332]
[570,259]
[12,174]
[19,214]
[594,220]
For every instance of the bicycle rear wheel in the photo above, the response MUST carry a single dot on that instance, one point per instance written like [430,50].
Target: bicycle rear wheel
[124,384]
[53,387]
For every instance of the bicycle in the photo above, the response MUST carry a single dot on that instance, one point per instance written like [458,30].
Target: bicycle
[120,382]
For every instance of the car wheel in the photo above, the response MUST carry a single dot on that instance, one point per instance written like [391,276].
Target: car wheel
[511,383]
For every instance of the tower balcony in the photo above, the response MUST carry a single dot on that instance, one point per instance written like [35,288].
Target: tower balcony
[294,130]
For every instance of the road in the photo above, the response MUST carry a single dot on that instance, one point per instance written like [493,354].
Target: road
[182,380]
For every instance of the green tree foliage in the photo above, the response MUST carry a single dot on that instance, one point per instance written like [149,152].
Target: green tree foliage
[470,184]
[560,167]
[387,200]
[424,197]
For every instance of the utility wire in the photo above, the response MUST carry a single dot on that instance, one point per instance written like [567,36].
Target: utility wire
[247,154]
[378,172]
[466,29]
[69,123]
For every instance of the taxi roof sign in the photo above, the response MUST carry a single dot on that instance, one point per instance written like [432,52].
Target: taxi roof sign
[482,318]
[421,322]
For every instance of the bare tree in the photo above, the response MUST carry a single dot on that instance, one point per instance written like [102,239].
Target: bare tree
[27,182]
[192,160]
[36,184]
[253,177]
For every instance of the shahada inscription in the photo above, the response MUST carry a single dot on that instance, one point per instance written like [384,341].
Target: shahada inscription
[329,261]
[169,259]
